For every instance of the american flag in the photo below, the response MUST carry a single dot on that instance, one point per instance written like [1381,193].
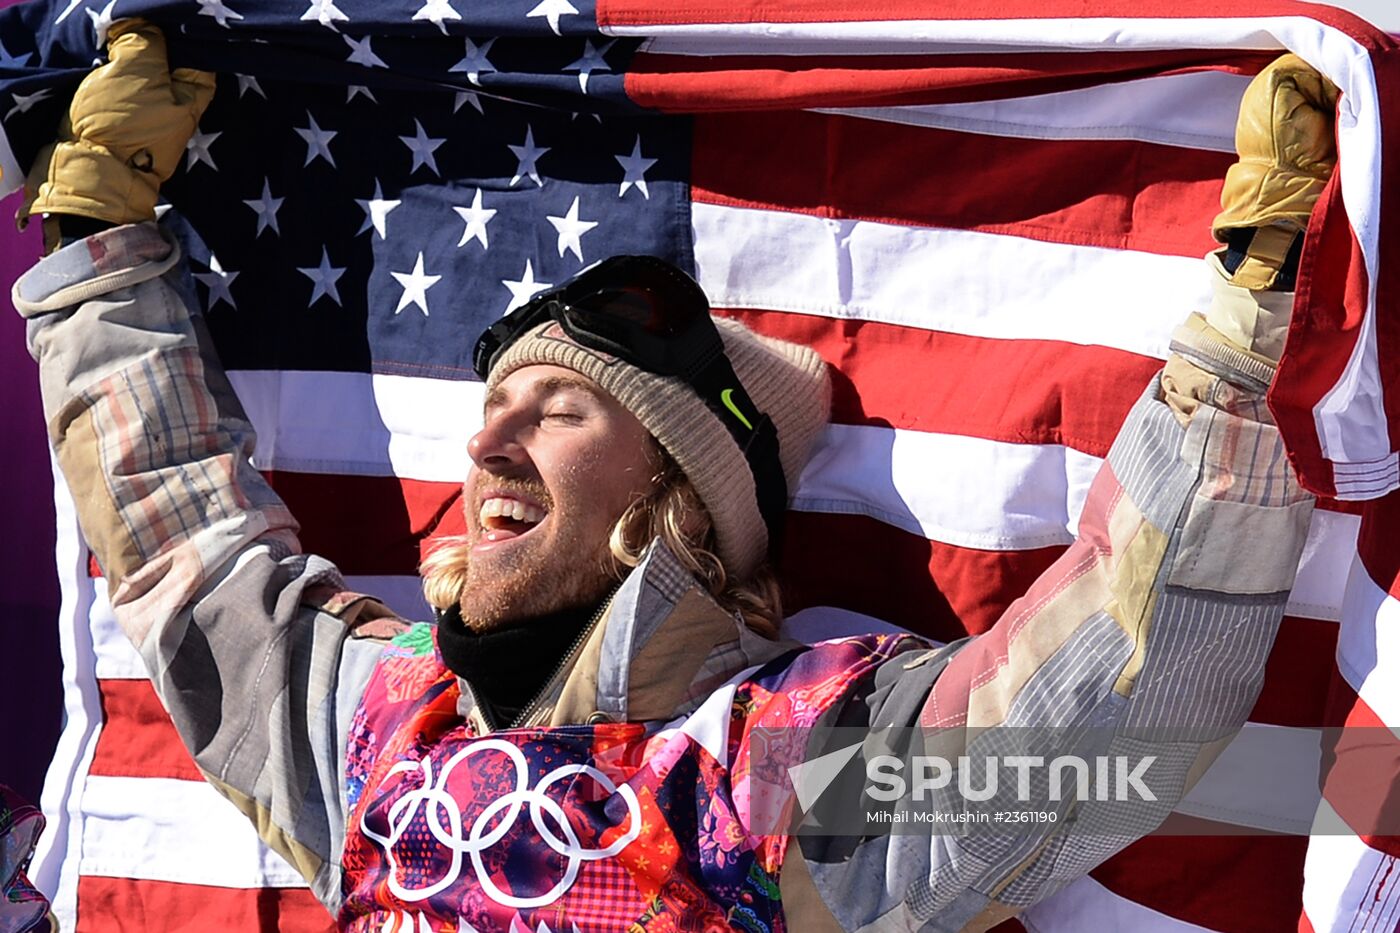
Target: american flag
[988,217]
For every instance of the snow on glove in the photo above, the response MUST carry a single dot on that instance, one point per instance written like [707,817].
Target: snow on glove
[125,132]
[1284,137]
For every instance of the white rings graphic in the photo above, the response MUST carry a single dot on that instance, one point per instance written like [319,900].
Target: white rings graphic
[444,820]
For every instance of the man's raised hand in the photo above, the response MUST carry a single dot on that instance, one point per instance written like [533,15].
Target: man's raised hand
[1285,140]
[125,131]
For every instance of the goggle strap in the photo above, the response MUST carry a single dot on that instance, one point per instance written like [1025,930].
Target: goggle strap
[718,386]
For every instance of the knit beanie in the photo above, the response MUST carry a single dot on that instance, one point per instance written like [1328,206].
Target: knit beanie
[786,381]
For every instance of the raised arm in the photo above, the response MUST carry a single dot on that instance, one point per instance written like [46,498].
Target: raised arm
[250,645]
[1148,637]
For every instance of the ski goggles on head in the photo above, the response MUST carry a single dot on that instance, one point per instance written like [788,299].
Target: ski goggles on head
[645,311]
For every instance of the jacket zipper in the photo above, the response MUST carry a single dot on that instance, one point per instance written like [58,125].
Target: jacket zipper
[570,656]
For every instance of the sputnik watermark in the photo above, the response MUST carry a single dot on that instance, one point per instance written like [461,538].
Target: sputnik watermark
[994,778]
[1117,778]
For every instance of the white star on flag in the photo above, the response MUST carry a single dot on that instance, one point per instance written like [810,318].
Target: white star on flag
[474,62]
[376,212]
[216,9]
[355,90]
[248,83]
[24,101]
[102,22]
[523,290]
[326,13]
[72,5]
[467,97]
[591,61]
[13,61]
[570,229]
[266,208]
[528,155]
[415,286]
[437,12]
[422,146]
[634,168]
[362,54]
[218,282]
[477,217]
[323,279]
[197,150]
[318,141]
[551,10]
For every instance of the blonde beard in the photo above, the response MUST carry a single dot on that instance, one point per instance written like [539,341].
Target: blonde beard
[521,593]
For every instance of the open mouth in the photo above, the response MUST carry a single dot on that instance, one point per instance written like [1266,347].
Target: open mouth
[505,517]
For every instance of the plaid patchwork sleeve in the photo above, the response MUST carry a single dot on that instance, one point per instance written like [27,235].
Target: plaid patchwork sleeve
[1145,642]
[250,644]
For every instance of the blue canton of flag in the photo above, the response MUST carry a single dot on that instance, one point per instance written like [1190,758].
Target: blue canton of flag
[371,187]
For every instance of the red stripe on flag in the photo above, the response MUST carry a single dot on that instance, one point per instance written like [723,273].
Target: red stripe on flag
[137,738]
[1387,68]
[1008,926]
[386,530]
[937,590]
[115,905]
[621,13]
[1361,757]
[1220,879]
[387,533]
[1114,194]
[711,83]
[1018,391]
[1327,316]
[1376,544]
[1298,677]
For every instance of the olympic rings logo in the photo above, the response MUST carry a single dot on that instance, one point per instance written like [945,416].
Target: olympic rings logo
[444,820]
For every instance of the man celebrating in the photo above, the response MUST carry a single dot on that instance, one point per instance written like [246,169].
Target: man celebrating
[600,733]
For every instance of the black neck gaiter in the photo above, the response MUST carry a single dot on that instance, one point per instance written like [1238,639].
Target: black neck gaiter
[508,667]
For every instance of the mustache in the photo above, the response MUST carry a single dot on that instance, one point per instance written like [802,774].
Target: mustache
[533,490]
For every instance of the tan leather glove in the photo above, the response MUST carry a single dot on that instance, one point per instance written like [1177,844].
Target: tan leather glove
[125,131]
[1285,140]
[1227,357]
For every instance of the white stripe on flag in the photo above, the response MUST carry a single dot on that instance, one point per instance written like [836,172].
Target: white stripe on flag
[961,36]
[959,490]
[823,623]
[55,867]
[1266,778]
[1088,905]
[1347,885]
[1197,111]
[1328,552]
[958,281]
[163,829]
[325,423]
[1368,646]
